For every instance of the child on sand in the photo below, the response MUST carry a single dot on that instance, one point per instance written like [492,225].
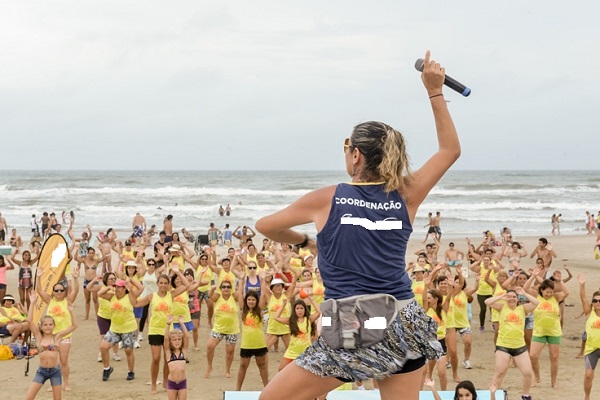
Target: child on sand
[175,346]
[47,343]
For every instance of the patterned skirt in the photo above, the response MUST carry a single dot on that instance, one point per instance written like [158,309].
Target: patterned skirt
[411,336]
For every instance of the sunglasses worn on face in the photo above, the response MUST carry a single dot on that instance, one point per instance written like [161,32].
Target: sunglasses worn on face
[595,301]
[59,290]
[251,267]
[348,145]
[225,287]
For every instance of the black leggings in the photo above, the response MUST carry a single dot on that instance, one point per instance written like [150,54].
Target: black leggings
[144,317]
[482,307]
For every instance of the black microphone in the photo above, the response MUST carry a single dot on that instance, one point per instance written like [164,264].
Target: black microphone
[451,83]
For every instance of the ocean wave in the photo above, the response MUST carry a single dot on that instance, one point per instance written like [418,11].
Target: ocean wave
[509,205]
[504,191]
[12,192]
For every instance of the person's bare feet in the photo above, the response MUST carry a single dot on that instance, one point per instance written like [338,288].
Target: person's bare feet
[457,379]
[196,348]
[579,355]
[207,373]
[67,388]
[227,374]
[555,385]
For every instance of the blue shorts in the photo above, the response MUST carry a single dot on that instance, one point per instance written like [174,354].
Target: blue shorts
[4,331]
[138,311]
[188,325]
[43,374]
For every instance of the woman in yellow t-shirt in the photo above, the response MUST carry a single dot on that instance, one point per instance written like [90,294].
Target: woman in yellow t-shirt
[275,296]
[302,328]
[485,290]
[123,326]
[436,308]
[226,326]
[459,304]
[253,337]
[546,325]
[511,335]
[58,310]
[161,303]
[592,329]
[104,314]
[499,290]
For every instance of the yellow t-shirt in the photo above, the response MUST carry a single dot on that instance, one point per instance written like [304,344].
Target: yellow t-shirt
[450,314]
[461,311]
[592,328]
[318,291]
[296,265]
[14,314]
[299,343]
[104,308]
[511,333]
[160,308]
[441,331]
[225,276]
[498,291]
[253,336]
[62,318]
[274,327]
[418,288]
[122,319]
[484,288]
[4,320]
[547,318]
[177,262]
[180,306]
[206,276]
[227,320]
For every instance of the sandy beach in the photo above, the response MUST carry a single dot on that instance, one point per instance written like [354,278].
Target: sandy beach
[574,251]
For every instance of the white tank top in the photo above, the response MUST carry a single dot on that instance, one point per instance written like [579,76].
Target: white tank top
[150,284]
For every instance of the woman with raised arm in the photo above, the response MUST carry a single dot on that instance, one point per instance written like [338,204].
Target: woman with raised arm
[25,276]
[592,329]
[511,336]
[161,303]
[363,230]
[253,343]
[436,308]
[546,326]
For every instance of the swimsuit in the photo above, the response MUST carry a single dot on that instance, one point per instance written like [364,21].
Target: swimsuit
[180,357]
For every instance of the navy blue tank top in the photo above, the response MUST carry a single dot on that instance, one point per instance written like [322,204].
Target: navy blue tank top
[362,246]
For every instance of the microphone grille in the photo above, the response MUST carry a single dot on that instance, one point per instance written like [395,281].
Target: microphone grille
[419,64]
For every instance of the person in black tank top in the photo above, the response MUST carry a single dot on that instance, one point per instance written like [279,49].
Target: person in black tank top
[363,227]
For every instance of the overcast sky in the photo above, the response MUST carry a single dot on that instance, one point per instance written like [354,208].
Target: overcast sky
[274,85]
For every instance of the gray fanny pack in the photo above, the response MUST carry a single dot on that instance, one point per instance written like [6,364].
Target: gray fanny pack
[358,321]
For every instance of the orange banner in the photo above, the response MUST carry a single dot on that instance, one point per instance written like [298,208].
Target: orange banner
[53,260]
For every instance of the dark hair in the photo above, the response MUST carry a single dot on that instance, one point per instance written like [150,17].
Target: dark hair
[543,240]
[546,284]
[385,155]
[105,277]
[440,300]
[466,385]
[256,312]
[189,272]
[294,329]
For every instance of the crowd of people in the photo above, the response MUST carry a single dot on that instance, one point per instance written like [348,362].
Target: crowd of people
[260,295]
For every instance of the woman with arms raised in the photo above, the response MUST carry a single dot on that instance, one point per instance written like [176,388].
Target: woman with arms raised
[363,230]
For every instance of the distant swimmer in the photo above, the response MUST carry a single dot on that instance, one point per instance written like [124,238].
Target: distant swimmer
[228,210]
[221,211]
